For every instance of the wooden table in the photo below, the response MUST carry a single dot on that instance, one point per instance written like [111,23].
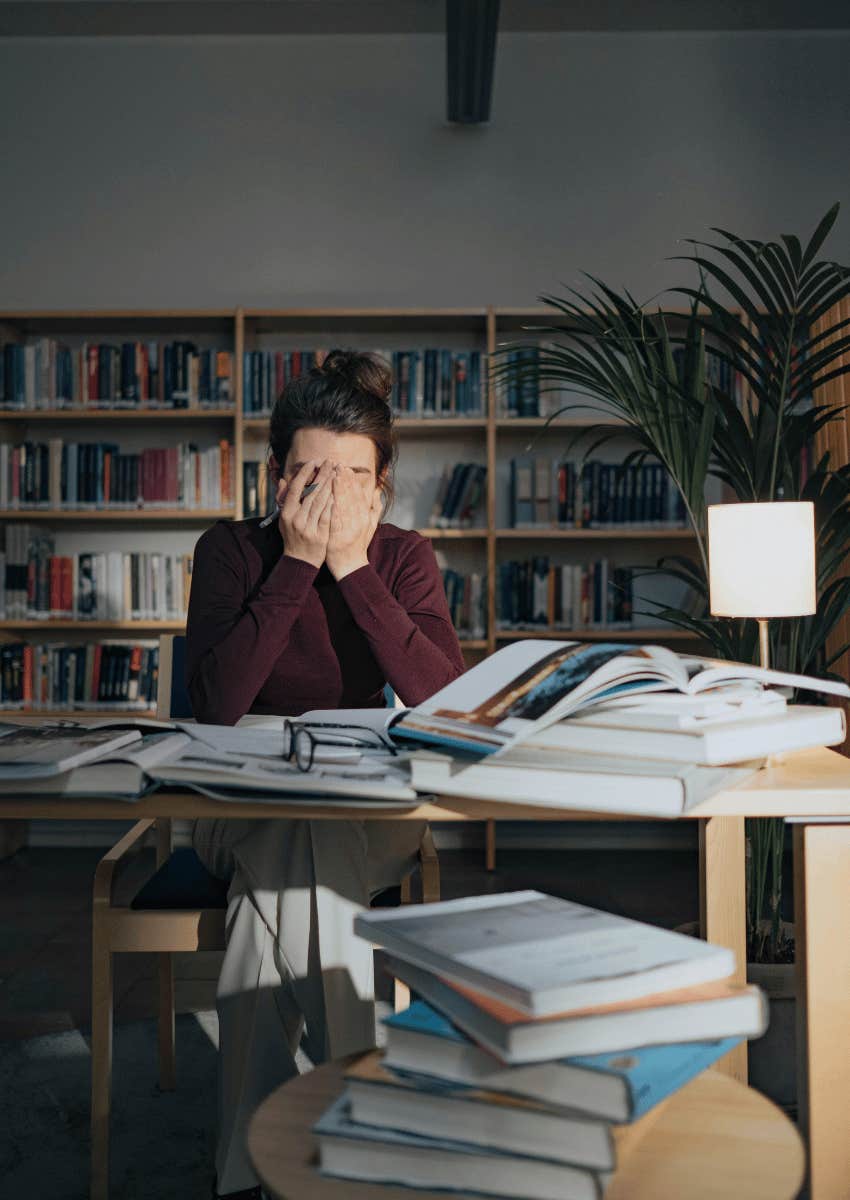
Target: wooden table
[811,787]
[715,1140]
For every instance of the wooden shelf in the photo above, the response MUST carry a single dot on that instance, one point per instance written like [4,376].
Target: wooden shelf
[520,423]
[455,534]
[118,414]
[473,643]
[409,426]
[79,625]
[598,635]
[632,534]
[73,714]
[105,514]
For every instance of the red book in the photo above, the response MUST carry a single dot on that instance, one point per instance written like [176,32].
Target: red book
[93,365]
[54,575]
[171,475]
[27,675]
[67,585]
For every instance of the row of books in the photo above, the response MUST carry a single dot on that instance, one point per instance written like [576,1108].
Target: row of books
[45,374]
[431,382]
[526,1074]
[52,676]
[437,383]
[40,585]
[547,492]
[467,600]
[535,592]
[459,497]
[58,474]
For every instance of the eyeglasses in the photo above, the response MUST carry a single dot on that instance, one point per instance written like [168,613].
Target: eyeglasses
[300,740]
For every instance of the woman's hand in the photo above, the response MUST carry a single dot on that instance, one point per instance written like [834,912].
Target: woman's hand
[305,525]
[354,519]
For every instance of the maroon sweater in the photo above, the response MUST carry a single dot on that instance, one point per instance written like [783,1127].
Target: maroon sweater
[271,634]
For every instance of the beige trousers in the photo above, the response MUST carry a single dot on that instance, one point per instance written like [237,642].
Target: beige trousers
[293,971]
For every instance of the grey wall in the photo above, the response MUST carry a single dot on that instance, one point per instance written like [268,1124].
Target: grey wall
[194,172]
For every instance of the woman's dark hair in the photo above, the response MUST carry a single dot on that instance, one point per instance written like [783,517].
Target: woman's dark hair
[349,393]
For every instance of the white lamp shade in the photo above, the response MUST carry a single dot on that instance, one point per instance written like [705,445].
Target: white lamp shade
[761,559]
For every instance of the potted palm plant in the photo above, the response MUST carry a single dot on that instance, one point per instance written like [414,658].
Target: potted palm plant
[726,391]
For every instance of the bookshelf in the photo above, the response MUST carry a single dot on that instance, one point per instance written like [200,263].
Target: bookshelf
[425,445]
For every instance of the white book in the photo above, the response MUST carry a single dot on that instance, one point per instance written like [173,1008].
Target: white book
[352,1150]
[703,1013]
[492,1120]
[569,780]
[542,954]
[798,727]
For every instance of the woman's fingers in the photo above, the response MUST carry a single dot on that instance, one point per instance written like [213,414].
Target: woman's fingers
[321,486]
[296,486]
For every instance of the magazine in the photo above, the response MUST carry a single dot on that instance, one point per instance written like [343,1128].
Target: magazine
[530,685]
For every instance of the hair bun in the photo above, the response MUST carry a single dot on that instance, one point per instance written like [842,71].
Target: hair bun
[361,370]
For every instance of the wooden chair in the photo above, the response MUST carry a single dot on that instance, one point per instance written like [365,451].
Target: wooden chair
[181,908]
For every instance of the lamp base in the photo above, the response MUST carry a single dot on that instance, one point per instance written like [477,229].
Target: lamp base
[764,644]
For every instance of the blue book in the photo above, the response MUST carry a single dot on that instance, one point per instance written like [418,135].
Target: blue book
[350,1149]
[423,1045]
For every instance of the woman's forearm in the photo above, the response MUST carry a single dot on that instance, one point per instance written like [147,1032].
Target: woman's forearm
[414,643]
[233,644]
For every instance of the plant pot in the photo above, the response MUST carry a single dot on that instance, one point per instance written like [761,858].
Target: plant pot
[773,1058]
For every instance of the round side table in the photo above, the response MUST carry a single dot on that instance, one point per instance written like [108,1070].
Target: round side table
[714,1140]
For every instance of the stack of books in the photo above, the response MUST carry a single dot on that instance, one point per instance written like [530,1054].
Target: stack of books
[546,1038]
[607,727]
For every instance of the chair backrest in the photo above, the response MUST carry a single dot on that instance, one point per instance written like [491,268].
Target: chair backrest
[172,696]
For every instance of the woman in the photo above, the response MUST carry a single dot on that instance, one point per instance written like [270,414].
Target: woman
[317,609]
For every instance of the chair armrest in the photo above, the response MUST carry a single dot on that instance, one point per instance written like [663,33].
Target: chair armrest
[105,871]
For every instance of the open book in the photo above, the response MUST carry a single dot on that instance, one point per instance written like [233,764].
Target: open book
[530,685]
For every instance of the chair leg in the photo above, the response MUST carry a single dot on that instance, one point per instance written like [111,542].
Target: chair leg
[405,888]
[101,1060]
[167,1064]
[429,865]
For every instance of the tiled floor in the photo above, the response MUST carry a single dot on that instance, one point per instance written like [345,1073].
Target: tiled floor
[45,934]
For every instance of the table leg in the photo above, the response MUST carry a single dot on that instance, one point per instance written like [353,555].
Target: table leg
[723,906]
[822,935]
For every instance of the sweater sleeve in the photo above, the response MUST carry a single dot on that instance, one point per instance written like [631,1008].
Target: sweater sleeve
[233,640]
[408,627]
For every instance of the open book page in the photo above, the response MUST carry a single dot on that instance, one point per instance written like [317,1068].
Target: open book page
[707,673]
[531,684]
[364,775]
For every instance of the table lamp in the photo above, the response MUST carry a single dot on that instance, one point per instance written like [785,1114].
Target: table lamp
[761,562]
